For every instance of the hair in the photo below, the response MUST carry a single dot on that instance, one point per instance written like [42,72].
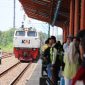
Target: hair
[54,38]
[77,38]
[81,35]
[47,41]
[59,42]
[83,43]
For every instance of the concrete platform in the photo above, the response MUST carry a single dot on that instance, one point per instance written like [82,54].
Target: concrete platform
[34,80]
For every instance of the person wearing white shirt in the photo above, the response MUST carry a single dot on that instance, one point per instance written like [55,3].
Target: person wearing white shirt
[66,45]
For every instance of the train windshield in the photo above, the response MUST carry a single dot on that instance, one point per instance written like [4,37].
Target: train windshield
[32,33]
[20,33]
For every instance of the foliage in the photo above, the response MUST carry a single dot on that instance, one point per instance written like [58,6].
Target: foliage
[6,39]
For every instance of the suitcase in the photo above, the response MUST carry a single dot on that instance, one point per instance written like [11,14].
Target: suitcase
[43,81]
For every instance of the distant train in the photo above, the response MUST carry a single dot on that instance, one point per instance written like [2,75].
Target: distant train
[26,44]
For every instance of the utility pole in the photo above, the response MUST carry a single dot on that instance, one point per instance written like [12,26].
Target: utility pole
[48,30]
[14,13]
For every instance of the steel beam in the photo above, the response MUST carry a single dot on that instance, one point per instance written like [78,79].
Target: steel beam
[56,11]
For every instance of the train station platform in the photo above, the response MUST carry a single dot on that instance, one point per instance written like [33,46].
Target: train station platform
[34,80]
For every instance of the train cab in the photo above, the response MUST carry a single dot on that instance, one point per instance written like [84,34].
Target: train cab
[26,44]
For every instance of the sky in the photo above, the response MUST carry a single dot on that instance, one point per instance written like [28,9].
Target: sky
[6,18]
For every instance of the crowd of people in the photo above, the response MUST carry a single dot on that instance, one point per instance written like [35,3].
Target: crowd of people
[68,57]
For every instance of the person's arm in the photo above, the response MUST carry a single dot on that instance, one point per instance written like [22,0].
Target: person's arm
[64,47]
[46,53]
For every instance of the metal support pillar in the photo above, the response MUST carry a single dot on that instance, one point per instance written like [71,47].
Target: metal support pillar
[57,33]
[48,30]
[72,9]
[65,33]
[56,11]
[82,22]
[76,21]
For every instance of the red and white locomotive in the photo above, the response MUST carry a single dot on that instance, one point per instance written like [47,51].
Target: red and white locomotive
[26,44]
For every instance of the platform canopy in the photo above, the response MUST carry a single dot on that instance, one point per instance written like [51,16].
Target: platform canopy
[54,12]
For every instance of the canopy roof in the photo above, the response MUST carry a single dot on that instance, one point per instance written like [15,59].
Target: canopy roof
[51,11]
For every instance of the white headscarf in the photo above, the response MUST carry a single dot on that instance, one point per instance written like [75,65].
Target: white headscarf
[73,55]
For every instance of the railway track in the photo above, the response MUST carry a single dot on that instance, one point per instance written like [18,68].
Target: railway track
[12,75]
[14,82]
[3,73]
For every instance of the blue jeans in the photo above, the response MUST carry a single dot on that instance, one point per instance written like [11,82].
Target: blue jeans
[62,81]
[49,71]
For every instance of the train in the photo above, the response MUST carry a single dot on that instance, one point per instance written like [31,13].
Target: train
[26,44]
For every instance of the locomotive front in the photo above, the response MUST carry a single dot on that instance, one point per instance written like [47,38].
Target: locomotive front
[26,45]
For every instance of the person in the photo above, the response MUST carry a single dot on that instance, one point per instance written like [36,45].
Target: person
[66,45]
[71,62]
[50,57]
[45,46]
[56,66]
[44,65]
[61,53]
[55,43]
[80,75]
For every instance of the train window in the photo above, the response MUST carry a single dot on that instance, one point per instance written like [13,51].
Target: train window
[20,33]
[32,33]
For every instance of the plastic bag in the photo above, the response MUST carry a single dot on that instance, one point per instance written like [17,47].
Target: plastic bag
[79,83]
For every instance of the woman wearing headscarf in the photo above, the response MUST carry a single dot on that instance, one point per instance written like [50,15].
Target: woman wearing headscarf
[71,62]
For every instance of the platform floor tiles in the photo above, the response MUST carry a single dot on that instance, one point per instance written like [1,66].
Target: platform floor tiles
[34,80]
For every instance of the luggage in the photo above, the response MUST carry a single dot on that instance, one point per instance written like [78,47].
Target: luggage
[43,81]
[44,70]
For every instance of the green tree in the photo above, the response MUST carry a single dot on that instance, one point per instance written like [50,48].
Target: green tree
[6,38]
